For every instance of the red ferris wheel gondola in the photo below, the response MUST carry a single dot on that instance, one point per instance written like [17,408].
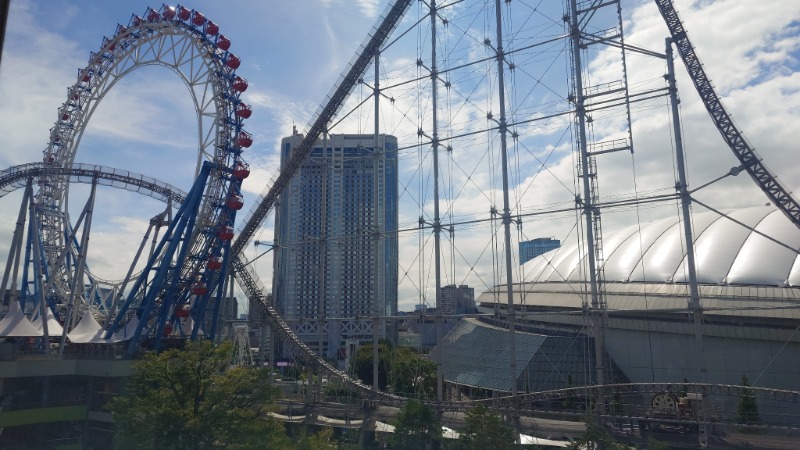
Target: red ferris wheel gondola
[198,19]
[225,232]
[239,84]
[233,61]
[214,263]
[244,139]
[235,202]
[243,110]
[168,13]
[199,288]
[212,28]
[241,170]
[223,43]
[183,13]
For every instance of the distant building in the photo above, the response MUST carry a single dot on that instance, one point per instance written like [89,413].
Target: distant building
[336,240]
[533,248]
[457,299]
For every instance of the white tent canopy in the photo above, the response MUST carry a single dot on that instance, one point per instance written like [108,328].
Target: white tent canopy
[15,324]
[87,331]
[126,333]
[53,327]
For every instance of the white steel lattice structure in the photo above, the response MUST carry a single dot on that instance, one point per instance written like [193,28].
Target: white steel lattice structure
[188,44]
[242,354]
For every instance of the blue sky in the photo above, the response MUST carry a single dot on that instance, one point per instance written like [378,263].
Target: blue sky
[292,52]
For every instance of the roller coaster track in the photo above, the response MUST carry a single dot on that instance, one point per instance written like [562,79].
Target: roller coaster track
[535,402]
[248,279]
[255,291]
[16,177]
[748,157]
[336,99]
[751,161]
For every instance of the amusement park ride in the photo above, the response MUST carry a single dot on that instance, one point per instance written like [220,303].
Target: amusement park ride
[180,289]
[188,267]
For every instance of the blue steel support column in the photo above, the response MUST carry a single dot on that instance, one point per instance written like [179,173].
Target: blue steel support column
[39,274]
[77,285]
[27,262]
[184,235]
[222,278]
[177,228]
[143,277]
[16,247]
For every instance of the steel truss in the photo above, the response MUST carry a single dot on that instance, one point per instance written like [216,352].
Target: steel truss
[750,160]
[188,44]
[162,38]
[11,180]
[528,404]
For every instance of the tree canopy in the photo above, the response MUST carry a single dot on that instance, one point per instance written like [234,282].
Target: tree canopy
[417,427]
[747,408]
[409,373]
[485,430]
[192,398]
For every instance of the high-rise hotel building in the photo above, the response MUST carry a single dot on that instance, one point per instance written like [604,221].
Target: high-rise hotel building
[336,241]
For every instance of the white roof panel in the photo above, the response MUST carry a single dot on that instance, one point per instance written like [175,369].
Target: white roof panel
[726,252]
[625,259]
[762,261]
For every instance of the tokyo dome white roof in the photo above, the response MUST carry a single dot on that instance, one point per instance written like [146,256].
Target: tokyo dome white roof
[725,252]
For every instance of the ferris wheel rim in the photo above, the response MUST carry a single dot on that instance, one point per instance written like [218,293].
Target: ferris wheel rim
[146,42]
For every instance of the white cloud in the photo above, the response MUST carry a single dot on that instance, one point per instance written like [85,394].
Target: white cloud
[369,8]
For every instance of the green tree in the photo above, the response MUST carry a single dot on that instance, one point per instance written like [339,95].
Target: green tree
[409,373]
[319,441]
[416,427]
[654,444]
[485,430]
[747,408]
[361,364]
[192,398]
[412,374]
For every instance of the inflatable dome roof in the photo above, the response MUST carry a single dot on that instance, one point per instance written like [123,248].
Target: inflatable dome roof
[725,252]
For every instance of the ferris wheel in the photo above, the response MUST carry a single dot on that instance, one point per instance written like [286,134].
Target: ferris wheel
[191,46]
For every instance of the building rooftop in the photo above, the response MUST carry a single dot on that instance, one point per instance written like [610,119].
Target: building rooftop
[726,252]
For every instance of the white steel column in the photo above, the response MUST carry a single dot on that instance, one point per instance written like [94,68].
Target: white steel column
[580,110]
[695,307]
[512,341]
